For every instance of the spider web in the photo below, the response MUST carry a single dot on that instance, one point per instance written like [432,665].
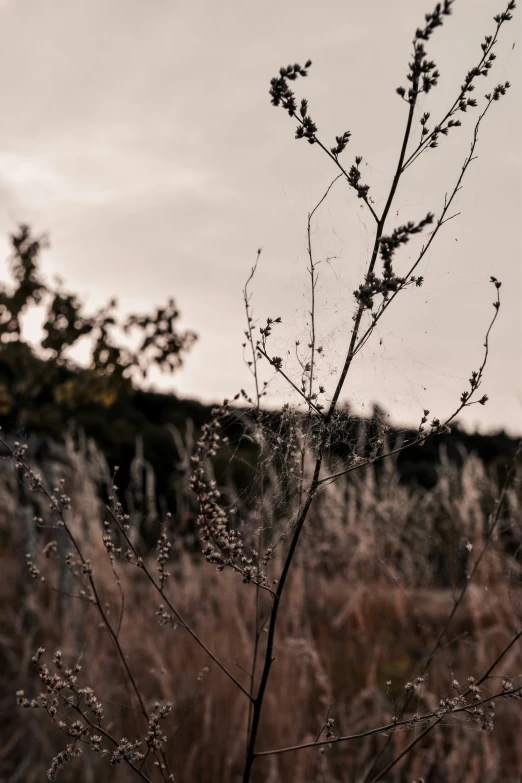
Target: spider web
[269,458]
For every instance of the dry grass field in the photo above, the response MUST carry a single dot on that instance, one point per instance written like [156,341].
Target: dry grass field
[374,582]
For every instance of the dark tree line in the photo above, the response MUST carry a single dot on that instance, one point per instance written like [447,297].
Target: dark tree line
[45,393]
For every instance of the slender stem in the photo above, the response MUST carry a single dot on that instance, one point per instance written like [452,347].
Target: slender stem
[440,222]
[378,235]
[484,677]
[469,579]
[98,728]
[405,752]
[433,716]
[97,600]
[457,602]
[263,352]
[249,333]
[258,701]
[180,618]
[422,437]
[423,145]
[313,282]
[344,172]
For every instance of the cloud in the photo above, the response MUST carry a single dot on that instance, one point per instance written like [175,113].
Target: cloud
[107,173]
[36,181]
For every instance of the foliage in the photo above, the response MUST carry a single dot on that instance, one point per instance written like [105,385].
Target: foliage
[44,384]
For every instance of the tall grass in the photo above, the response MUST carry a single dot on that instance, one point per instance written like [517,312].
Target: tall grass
[376,577]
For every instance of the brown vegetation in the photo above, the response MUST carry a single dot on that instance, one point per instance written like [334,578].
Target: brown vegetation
[365,610]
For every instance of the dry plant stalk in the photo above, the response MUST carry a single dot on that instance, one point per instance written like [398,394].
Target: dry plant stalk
[302,658]
[260,556]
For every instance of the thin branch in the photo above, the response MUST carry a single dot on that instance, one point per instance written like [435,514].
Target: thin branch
[289,380]
[489,535]
[175,611]
[427,140]
[484,677]
[434,716]
[457,602]
[258,704]
[440,222]
[441,427]
[249,333]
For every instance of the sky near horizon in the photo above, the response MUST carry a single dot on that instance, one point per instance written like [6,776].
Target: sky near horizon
[140,137]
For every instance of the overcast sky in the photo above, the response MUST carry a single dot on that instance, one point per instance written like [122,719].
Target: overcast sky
[140,135]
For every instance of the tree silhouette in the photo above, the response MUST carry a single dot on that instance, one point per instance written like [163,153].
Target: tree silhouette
[44,381]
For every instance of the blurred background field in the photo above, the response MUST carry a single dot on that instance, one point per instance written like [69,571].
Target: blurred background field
[376,576]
